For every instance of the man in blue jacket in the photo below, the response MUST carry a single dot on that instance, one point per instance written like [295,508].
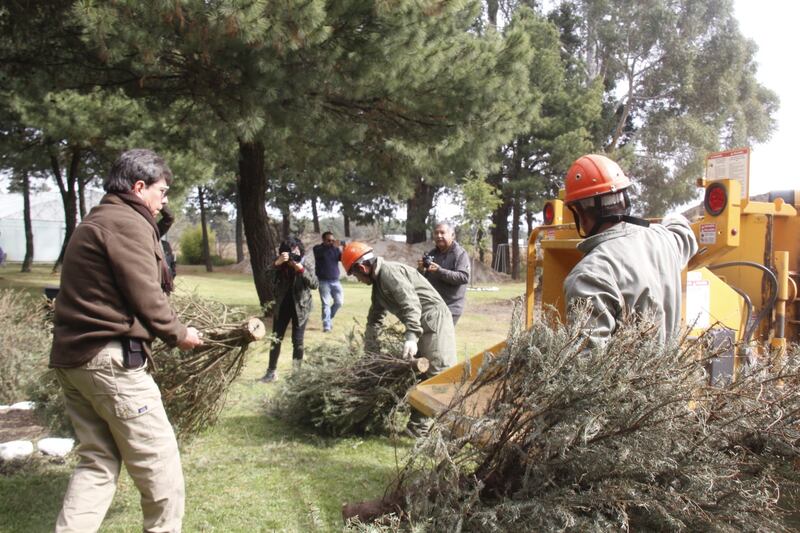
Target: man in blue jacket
[327,256]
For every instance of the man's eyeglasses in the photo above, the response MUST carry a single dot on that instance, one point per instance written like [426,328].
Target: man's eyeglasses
[163,191]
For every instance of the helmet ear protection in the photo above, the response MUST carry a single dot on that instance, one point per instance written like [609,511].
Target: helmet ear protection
[595,181]
[361,263]
[354,253]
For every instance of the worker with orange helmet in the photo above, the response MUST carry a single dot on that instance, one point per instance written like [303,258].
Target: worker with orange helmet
[401,290]
[631,268]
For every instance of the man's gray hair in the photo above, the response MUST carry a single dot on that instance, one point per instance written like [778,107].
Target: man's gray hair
[134,165]
[447,223]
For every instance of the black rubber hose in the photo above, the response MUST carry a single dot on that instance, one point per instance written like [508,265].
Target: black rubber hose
[773,296]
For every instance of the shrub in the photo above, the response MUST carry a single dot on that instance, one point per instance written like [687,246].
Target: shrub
[191,243]
[25,341]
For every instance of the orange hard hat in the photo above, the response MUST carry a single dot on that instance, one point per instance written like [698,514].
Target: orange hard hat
[353,251]
[593,175]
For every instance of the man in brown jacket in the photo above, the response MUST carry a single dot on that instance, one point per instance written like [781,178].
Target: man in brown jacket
[112,304]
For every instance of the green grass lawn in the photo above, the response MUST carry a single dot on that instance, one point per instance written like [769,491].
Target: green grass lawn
[252,472]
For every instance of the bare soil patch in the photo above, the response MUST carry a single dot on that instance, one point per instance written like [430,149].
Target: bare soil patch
[17,424]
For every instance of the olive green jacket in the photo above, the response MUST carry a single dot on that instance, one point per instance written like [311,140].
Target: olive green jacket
[301,285]
[401,290]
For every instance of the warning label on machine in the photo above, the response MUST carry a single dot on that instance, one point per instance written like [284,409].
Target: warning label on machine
[730,164]
[708,233]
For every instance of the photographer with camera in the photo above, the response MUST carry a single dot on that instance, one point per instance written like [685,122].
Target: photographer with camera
[446,267]
[292,283]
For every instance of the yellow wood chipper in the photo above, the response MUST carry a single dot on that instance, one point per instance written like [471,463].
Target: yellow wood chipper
[742,283]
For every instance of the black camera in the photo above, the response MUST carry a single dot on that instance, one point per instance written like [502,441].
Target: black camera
[296,257]
[427,259]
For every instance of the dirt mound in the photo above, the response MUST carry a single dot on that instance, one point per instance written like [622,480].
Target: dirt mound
[394,251]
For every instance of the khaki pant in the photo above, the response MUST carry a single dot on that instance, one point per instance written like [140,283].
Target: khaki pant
[119,418]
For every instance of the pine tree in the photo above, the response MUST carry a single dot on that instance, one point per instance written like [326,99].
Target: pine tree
[680,81]
[388,90]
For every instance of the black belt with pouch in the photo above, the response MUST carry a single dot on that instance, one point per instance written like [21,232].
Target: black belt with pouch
[133,352]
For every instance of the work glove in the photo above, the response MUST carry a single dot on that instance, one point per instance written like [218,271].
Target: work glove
[410,346]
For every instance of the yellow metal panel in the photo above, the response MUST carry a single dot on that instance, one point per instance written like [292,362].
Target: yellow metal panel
[709,301]
[777,208]
[718,234]
[433,395]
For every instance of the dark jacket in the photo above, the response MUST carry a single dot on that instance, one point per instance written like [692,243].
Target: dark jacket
[451,280]
[285,279]
[327,262]
[111,286]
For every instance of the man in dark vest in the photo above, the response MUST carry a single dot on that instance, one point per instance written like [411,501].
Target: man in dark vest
[446,267]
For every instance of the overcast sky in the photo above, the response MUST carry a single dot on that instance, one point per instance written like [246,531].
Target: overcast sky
[773,25]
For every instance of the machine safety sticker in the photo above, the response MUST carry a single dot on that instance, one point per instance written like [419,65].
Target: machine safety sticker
[708,233]
[730,164]
[698,301]
[550,235]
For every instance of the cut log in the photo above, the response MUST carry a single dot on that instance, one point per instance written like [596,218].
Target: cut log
[420,364]
[250,330]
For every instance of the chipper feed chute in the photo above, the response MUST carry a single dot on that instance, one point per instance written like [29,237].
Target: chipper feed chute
[742,283]
[433,395]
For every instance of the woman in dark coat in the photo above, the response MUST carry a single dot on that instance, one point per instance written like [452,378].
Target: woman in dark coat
[293,279]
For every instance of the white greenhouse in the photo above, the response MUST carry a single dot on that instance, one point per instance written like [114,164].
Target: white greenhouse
[47,219]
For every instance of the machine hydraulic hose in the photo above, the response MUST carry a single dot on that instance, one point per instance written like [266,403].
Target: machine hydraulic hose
[773,280]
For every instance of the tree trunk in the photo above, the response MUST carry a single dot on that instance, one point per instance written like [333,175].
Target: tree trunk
[418,208]
[253,186]
[68,198]
[515,219]
[346,219]
[82,198]
[204,229]
[26,210]
[529,216]
[499,220]
[500,231]
[239,225]
[286,222]
[491,11]
[314,214]
[481,251]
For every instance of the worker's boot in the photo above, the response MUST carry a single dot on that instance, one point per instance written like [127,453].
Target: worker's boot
[296,365]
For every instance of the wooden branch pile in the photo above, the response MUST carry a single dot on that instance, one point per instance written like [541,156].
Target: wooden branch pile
[629,436]
[194,385]
[343,390]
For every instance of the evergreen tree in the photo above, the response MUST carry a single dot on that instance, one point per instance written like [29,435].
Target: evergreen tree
[532,164]
[679,80]
[390,90]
